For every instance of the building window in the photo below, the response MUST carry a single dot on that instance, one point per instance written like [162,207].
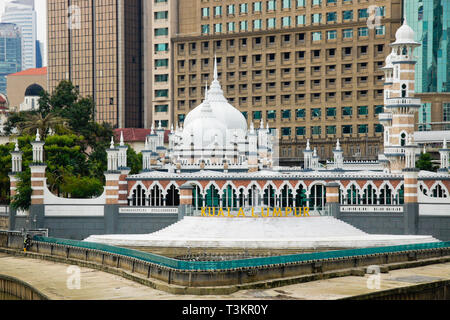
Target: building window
[286,4]
[162,93]
[161,15]
[286,114]
[316,113]
[363,128]
[161,47]
[300,113]
[331,17]
[231,26]
[379,109]
[316,18]
[347,15]
[317,36]
[301,3]
[347,33]
[331,112]
[286,132]
[162,62]
[257,24]
[217,27]
[331,34]
[243,25]
[205,28]
[161,32]
[271,114]
[257,6]
[378,128]
[161,77]
[363,32]
[347,129]
[331,129]
[380,31]
[316,130]
[257,115]
[300,131]
[363,13]
[271,23]
[301,20]
[243,8]
[271,5]
[162,108]
[231,9]
[347,111]
[218,11]
[205,12]
[363,111]
[286,22]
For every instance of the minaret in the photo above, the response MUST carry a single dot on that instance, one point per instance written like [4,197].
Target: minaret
[122,154]
[252,149]
[308,157]
[400,103]
[315,160]
[444,153]
[39,183]
[16,158]
[338,157]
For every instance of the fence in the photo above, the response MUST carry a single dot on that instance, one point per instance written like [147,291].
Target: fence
[241,263]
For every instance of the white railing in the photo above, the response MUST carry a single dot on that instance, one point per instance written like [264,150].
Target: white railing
[385,116]
[403,101]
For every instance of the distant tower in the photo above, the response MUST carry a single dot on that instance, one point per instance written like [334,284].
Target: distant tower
[338,157]
[444,152]
[308,157]
[400,105]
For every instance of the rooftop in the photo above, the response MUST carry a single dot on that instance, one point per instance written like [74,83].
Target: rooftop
[30,72]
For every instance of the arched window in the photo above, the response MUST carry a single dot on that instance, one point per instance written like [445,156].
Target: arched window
[197,199]
[269,196]
[300,197]
[138,197]
[229,199]
[401,195]
[403,139]
[156,198]
[287,198]
[212,197]
[369,195]
[404,87]
[352,195]
[241,198]
[253,196]
[386,195]
[438,192]
[173,197]
[317,197]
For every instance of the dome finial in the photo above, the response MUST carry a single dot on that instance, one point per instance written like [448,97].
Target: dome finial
[216,73]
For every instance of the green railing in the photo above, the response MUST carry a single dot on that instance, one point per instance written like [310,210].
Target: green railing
[241,263]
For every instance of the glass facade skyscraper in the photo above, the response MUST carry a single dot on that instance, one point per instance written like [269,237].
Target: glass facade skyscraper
[10,52]
[22,13]
[430,19]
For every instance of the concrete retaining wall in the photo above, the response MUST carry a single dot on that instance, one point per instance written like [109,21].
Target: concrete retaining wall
[19,289]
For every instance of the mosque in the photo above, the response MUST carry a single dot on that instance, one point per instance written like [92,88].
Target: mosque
[217,161]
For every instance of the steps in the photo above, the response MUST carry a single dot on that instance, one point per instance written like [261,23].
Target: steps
[288,232]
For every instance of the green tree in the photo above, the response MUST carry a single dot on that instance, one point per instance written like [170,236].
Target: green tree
[5,168]
[424,162]
[134,160]
[34,122]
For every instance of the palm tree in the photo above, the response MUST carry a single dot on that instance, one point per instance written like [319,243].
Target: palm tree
[34,122]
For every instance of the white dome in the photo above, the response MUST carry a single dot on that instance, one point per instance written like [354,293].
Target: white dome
[215,116]
[389,59]
[404,35]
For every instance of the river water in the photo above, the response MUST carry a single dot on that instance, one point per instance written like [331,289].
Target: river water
[6,296]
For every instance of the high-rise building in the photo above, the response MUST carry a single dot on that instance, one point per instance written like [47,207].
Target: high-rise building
[10,52]
[39,54]
[22,13]
[160,26]
[98,45]
[309,68]
[430,19]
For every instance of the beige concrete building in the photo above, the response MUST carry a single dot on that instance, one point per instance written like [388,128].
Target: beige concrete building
[98,46]
[23,89]
[310,68]
[160,26]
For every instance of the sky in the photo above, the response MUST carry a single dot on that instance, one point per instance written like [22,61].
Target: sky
[41,12]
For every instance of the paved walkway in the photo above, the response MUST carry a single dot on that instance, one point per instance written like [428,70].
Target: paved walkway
[51,279]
